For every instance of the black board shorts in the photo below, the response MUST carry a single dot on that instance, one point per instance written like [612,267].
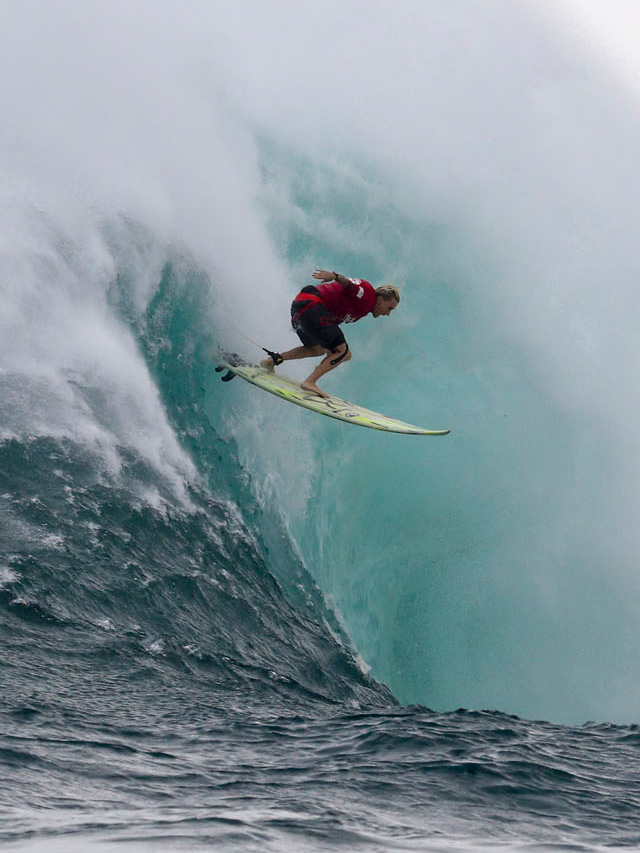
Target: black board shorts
[314,324]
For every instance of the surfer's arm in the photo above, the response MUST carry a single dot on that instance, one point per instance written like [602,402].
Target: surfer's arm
[326,275]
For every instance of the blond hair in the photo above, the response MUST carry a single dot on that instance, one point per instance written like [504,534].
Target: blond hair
[388,292]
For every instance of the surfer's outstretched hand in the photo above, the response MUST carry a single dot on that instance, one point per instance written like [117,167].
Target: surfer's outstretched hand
[323,275]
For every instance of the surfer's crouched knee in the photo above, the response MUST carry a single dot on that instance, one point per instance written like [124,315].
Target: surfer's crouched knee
[341,352]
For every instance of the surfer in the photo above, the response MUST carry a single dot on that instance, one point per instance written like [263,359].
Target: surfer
[316,314]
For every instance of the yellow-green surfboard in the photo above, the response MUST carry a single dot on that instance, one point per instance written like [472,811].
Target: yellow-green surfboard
[333,407]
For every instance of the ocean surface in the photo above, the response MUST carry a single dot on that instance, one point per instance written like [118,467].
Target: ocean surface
[228,623]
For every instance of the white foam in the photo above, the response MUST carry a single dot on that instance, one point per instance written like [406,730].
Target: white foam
[7,576]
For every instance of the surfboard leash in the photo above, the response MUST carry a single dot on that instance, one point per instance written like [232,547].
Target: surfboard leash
[277,358]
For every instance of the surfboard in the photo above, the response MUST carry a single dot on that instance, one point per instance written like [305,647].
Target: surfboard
[332,407]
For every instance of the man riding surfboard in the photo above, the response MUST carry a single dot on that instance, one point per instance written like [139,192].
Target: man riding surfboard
[316,314]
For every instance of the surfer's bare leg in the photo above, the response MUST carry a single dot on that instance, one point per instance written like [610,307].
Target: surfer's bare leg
[329,362]
[290,355]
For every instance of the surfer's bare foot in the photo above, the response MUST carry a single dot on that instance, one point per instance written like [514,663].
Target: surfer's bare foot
[311,386]
[268,364]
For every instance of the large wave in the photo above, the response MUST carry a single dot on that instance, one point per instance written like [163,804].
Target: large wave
[174,175]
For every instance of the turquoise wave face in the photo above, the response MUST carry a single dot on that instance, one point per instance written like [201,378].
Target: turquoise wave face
[466,572]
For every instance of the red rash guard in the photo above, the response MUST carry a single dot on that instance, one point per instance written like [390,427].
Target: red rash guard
[347,304]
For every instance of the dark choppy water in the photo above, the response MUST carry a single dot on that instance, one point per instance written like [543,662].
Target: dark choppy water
[159,691]
[175,773]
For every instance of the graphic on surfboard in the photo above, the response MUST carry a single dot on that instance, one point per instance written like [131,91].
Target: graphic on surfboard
[332,407]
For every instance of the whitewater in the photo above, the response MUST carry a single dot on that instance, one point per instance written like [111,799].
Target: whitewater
[229,623]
